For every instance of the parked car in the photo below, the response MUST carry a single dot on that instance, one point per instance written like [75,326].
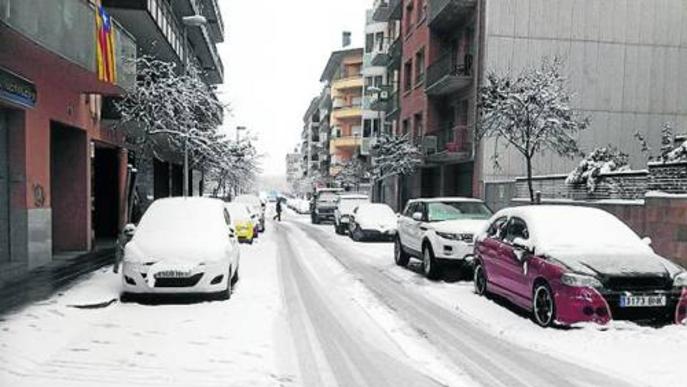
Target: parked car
[323,204]
[256,207]
[182,245]
[372,221]
[344,206]
[439,230]
[242,222]
[569,264]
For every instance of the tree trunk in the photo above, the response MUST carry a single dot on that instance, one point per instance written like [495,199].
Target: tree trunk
[529,179]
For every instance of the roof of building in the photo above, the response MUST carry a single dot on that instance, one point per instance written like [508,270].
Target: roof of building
[335,60]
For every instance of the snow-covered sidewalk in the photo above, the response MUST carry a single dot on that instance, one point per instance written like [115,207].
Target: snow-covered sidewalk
[239,342]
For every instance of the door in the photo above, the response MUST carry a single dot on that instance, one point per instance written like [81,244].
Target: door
[489,250]
[4,190]
[417,229]
[513,262]
[405,223]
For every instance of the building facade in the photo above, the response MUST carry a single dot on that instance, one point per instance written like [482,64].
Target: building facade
[294,173]
[159,31]
[63,171]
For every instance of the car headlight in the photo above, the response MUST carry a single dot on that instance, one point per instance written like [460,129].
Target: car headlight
[680,280]
[580,281]
[456,236]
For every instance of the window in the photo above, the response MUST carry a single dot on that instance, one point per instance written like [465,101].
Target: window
[379,37]
[368,81]
[409,210]
[408,75]
[418,128]
[420,67]
[406,126]
[369,42]
[494,230]
[409,16]
[370,127]
[378,81]
[516,228]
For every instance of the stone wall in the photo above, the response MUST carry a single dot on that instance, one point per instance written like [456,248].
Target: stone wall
[669,177]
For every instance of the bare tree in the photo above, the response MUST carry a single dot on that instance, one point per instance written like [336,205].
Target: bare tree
[393,155]
[531,113]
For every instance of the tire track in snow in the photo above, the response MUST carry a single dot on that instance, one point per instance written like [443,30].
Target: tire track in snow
[485,357]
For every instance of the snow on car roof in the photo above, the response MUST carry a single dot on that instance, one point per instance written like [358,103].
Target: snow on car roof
[574,227]
[445,199]
[182,218]
[353,196]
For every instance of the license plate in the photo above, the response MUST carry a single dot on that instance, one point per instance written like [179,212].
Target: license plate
[642,301]
[172,274]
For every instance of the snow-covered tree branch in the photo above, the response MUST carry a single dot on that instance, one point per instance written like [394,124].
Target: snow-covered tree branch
[393,155]
[601,160]
[531,113]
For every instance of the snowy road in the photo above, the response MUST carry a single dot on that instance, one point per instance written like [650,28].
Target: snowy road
[316,309]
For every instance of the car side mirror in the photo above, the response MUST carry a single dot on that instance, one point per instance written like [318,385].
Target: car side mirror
[647,241]
[417,216]
[522,248]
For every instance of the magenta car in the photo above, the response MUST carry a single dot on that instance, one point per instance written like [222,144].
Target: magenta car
[569,264]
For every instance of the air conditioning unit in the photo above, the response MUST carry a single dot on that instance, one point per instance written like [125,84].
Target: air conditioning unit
[384,95]
[429,144]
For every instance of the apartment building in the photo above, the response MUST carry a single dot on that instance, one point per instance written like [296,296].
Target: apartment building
[159,30]
[294,173]
[343,76]
[63,171]
[311,146]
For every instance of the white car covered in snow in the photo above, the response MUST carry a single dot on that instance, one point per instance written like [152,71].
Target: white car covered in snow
[345,204]
[439,230]
[372,221]
[182,245]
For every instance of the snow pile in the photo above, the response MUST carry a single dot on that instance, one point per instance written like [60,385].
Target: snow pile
[600,161]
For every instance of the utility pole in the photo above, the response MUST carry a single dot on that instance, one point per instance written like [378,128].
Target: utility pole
[189,21]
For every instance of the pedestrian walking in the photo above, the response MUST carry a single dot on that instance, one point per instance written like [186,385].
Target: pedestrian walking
[278,216]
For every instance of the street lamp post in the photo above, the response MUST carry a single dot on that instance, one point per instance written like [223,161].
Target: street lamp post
[189,21]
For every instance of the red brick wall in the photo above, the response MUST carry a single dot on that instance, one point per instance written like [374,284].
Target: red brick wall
[666,225]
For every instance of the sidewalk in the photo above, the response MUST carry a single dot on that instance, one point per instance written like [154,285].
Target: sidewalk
[19,287]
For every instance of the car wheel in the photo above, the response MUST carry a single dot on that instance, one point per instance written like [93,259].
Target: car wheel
[543,306]
[429,264]
[338,229]
[400,257]
[357,234]
[235,279]
[226,294]
[480,279]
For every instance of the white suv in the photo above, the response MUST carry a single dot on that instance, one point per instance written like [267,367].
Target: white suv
[439,230]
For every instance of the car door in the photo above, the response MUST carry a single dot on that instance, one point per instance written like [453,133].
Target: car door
[404,222]
[233,240]
[417,228]
[513,260]
[489,250]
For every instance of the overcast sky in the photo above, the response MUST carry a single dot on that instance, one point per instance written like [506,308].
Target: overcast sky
[274,53]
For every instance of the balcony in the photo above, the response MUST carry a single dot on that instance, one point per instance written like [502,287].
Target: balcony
[355,82]
[395,9]
[453,144]
[445,15]
[158,32]
[212,12]
[66,28]
[446,75]
[347,111]
[345,142]
[395,54]
[381,11]
[393,106]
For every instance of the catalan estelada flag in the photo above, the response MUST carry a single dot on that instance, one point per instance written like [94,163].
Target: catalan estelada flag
[105,47]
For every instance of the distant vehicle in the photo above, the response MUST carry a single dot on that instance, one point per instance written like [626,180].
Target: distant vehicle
[301,206]
[182,245]
[439,230]
[344,206]
[242,222]
[569,264]
[372,221]
[323,204]
[256,207]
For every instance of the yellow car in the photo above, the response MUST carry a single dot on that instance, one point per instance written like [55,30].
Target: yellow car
[240,219]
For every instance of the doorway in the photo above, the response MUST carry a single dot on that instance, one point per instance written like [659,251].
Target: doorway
[105,193]
[4,190]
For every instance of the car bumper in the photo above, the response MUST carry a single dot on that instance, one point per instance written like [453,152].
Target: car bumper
[576,305]
[454,250]
[245,234]
[211,278]
[387,234]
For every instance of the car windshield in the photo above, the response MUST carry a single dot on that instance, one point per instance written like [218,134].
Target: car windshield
[376,211]
[442,211]
[327,196]
[193,221]
[348,204]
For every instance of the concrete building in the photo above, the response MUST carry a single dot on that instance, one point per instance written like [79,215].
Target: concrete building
[311,146]
[293,169]
[159,31]
[62,170]
[342,75]
[625,62]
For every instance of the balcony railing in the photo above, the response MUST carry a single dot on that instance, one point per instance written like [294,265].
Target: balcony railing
[392,105]
[454,142]
[395,53]
[446,14]
[67,28]
[381,11]
[447,75]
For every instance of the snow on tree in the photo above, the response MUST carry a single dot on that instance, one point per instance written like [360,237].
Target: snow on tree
[531,112]
[595,164]
[673,147]
[393,155]
[352,174]
[234,166]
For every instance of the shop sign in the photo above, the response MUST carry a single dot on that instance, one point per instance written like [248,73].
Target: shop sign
[17,90]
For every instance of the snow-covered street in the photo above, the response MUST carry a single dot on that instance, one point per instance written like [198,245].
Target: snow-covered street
[314,308]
